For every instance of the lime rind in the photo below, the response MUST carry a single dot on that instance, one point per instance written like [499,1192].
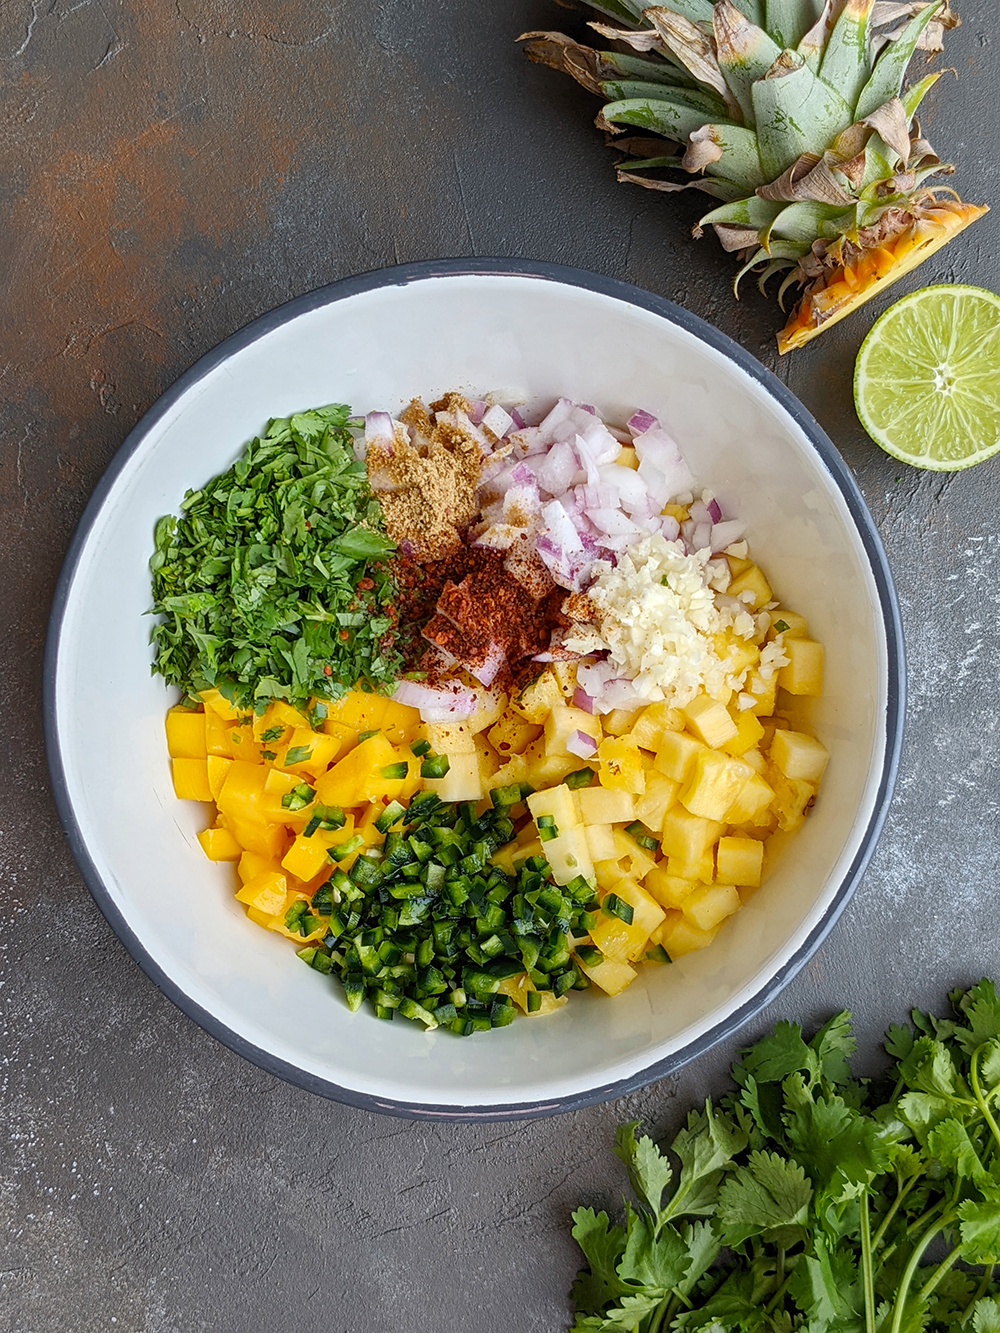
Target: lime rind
[927,378]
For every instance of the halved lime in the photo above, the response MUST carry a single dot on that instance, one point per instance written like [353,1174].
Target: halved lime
[927,378]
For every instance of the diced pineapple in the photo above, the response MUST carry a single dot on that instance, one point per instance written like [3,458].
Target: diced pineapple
[715,783]
[710,721]
[601,842]
[701,870]
[755,759]
[737,565]
[646,911]
[607,873]
[514,773]
[764,691]
[537,699]
[793,625]
[488,759]
[739,861]
[748,733]
[563,722]
[688,837]
[520,987]
[618,721]
[523,851]
[751,802]
[569,855]
[611,976]
[804,672]
[639,861]
[565,674]
[550,1002]
[625,942]
[490,707]
[601,805]
[737,653]
[546,769]
[709,905]
[628,457]
[462,782]
[621,769]
[798,756]
[650,724]
[668,890]
[751,580]
[683,937]
[792,797]
[449,738]
[512,734]
[676,755]
[558,802]
[660,795]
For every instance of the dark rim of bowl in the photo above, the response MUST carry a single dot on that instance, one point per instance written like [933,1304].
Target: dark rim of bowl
[829,457]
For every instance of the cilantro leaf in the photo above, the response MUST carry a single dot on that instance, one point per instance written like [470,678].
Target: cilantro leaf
[653,1261]
[648,1170]
[781,1053]
[768,1197]
[834,1044]
[980,1227]
[603,1245]
[706,1146]
[986,1315]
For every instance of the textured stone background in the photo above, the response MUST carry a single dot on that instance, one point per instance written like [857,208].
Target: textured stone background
[170,170]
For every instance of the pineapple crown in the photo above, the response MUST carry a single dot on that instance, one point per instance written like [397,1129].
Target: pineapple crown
[792,113]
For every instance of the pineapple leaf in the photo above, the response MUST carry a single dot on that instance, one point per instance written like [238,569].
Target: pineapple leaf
[698,11]
[618,9]
[745,53]
[749,212]
[806,220]
[726,150]
[638,67]
[622,90]
[813,44]
[847,61]
[796,113]
[890,68]
[693,48]
[669,116]
[788,21]
[752,10]
[913,96]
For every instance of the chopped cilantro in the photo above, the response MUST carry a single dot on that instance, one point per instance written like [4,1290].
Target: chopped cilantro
[257,582]
[297,754]
[273,734]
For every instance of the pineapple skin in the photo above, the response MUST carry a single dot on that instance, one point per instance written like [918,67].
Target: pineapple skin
[794,116]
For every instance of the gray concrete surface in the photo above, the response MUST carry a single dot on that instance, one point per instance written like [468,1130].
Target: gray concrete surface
[171,169]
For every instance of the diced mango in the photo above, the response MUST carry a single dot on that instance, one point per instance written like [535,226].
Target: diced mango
[709,905]
[710,721]
[218,844]
[252,863]
[739,861]
[242,744]
[715,783]
[265,892]
[751,581]
[308,856]
[358,776]
[305,751]
[620,768]
[241,795]
[277,714]
[798,756]
[268,840]
[217,735]
[804,672]
[219,705]
[190,778]
[363,711]
[216,768]
[185,734]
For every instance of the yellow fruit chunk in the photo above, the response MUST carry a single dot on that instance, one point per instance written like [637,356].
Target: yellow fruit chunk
[512,735]
[668,890]
[798,756]
[753,583]
[562,723]
[358,776]
[269,840]
[242,793]
[709,905]
[715,783]
[611,976]
[650,724]
[536,700]
[545,769]
[710,721]
[751,802]
[660,795]
[308,856]
[218,844]
[568,855]
[764,691]
[252,863]
[214,700]
[792,797]
[794,625]
[676,756]
[639,861]
[804,672]
[216,767]
[217,735]
[277,714]
[565,674]
[688,836]
[601,805]
[449,738]
[739,861]
[748,733]
[190,780]
[513,773]
[701,870]
[556,802]
[265,892]
[361,711]
[618,721]
[620,768]
[462,782]
[601,842]
[683,937]
[242,744]
[185,734]
[305,751]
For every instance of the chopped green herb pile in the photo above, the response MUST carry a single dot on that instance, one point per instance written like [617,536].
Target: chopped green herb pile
[427,928]
[812,1200]
[270,583]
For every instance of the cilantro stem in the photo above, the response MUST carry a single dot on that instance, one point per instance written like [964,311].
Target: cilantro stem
[980,1099]
[660,1313]
[945,1266]
[981,1290]
[911,1267]
[867,1267]
[902,1190]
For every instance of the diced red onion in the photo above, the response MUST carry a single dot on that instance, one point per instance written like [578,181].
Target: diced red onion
[661,465]
[444,703]
[476,411]
[727,532]
[557,471]
[582,745]
[486,674]
[518,420]
[701,538]
[639,422]
[583,700]
[593,676]
[670,528]
[619,693]
[698,511]
[497,420]
[714,512]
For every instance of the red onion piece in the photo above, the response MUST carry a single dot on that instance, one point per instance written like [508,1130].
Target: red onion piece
[486,674]
[581,745]
[497,420]
[724,534]
[519,421]
[582,700]
[639,422]
[444,703]
[714,512]
[477,410]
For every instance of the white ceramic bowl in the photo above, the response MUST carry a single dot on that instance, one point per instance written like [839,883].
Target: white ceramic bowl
[375,342]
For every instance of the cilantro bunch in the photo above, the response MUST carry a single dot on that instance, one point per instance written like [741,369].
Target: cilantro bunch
[270,584]
[809,1199]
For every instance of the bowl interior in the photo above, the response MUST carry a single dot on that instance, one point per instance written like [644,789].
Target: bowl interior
[535,339]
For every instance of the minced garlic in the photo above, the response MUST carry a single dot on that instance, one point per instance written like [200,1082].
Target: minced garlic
[656,615]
